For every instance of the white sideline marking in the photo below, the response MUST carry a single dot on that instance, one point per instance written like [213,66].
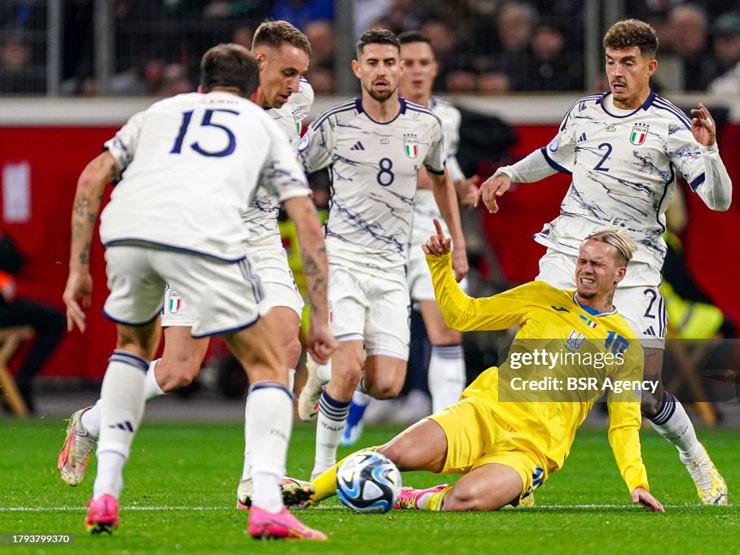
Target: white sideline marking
[552,507]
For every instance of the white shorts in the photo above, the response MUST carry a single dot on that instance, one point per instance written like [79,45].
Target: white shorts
[370,309]
[639,302]
[224,296]
[278,286]
[419,277]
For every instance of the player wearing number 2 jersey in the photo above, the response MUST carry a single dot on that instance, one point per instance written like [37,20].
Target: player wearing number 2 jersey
[625,150]
[375,146]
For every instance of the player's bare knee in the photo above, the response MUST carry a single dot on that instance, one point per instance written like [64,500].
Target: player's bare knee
[292,350]
[395,451]
[384,389]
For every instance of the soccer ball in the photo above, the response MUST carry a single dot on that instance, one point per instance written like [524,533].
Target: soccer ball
[368,482]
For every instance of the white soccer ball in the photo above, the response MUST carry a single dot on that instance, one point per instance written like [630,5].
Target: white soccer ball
[368,482]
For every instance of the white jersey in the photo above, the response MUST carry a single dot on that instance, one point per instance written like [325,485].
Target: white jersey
[374,169]
[425,207]
[190,166]
[624,166]
[262,216]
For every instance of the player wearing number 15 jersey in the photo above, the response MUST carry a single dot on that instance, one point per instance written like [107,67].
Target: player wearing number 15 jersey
[625,149]
[188,167]
[375,146]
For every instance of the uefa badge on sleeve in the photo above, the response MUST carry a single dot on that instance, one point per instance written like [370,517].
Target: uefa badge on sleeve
[639,133]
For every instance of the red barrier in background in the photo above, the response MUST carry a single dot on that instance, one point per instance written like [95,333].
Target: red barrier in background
[57,155]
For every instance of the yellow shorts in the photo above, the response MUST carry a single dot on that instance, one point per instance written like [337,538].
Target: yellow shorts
[475,437]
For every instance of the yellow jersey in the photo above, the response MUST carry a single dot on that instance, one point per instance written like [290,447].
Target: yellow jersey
[564,357]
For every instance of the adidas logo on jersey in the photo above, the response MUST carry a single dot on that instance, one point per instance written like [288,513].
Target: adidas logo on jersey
[357,146]
[582,137]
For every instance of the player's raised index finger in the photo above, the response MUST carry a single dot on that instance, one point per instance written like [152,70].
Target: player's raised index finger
[438,227]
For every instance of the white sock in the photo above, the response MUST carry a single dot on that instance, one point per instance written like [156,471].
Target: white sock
[291,379]
[323,372]
[446,375]
[674,424]
[269,414]
[360,397]
[151,387]
[121,409]
[91,417]
[329,428]
[247,466]
[109,479]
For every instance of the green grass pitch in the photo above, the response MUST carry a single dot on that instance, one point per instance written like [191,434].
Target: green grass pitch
[181,482]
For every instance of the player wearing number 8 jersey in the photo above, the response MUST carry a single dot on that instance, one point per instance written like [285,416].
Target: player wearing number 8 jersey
[625,149]
[375,146]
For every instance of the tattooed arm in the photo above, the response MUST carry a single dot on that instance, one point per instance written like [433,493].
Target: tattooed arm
[90,186]
[320,341]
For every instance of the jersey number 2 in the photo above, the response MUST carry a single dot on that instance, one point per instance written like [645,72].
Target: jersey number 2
[207,121]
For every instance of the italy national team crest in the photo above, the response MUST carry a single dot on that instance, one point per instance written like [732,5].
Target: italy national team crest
[639,133]
[410,146]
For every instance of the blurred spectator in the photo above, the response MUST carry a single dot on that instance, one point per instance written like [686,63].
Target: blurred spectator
[725,47]
[729,83]
[689,40]
[17,75]
[549,68]
[455,74]
[367,12]
[405,15]
[243,36]
[48,322]
[301,12]
[515,23]
[175,80]
[320,73]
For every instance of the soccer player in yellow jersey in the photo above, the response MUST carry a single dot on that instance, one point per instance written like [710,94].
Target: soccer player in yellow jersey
[515,424]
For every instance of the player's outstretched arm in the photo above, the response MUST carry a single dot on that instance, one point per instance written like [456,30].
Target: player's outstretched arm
[320,341]
[643,497]
[90,186]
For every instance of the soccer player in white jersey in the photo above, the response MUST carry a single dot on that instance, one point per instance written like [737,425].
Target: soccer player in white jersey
[446,372]
[624,149]
[282,52]
[375,146]
[188,167]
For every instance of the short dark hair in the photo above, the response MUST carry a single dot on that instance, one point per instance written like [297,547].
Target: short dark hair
[229,66]
[276,33]
[632,32]
[377,36]
[413,36]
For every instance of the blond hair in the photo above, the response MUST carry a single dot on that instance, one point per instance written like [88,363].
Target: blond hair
[618,239]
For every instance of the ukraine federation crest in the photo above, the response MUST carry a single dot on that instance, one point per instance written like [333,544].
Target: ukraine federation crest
[639,133]
[410,146]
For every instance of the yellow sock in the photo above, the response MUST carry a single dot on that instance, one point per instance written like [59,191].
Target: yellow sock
[326,482]
[435,500]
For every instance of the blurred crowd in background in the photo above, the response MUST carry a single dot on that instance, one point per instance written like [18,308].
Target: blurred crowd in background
[483,46]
